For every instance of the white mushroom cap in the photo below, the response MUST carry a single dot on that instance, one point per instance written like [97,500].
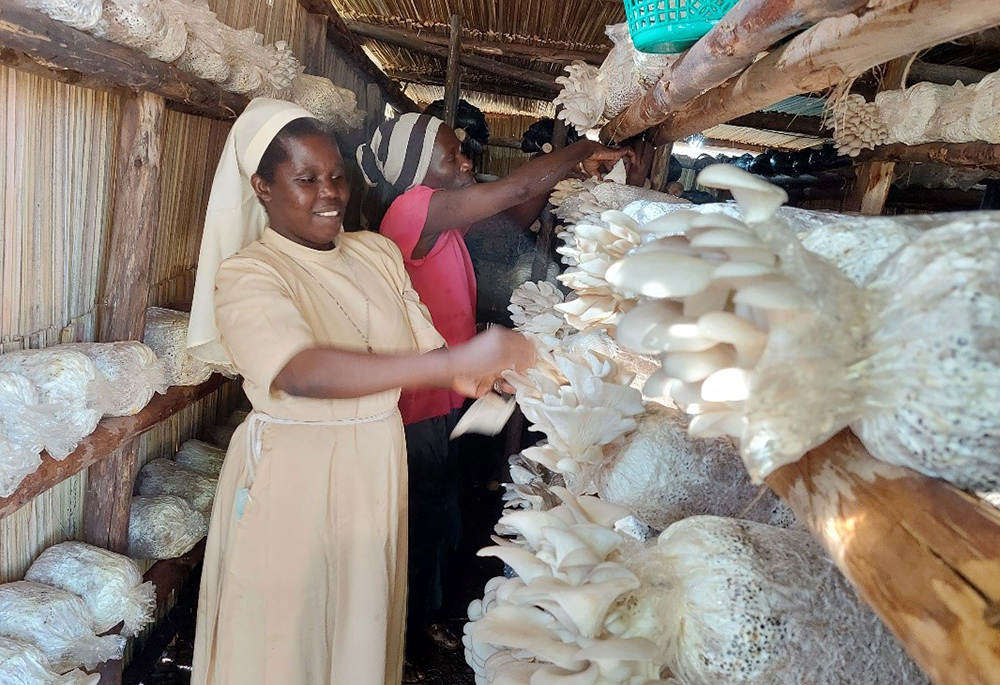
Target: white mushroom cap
[727,385]
[726,237]
[716,424]
[742,270]
[758,199]
[691,367]
[684,393]
[613,216]
[679,334]
[635,324]
[748,340]
[672,223]
[772,294]
[717,220]
[660,274]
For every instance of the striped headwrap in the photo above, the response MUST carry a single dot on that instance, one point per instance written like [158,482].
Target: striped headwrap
[400,151]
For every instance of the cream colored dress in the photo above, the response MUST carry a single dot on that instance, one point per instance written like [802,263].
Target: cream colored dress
[304,580]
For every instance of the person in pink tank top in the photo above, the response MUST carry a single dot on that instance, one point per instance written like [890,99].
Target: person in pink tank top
[421,158]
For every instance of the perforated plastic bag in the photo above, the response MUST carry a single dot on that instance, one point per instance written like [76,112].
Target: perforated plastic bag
[58,623]
[931,372]
[202,457]
[70,382]
[166,335]
[110,584]
[24,428]
[80,14]
[662,475]
[619,76]
[740,602]
[165,477]
[163,527]
[133,372]
[205,53]
[22,663]
[335,105]
[139,24]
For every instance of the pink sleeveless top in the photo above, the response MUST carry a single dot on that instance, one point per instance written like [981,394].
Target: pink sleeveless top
[446,283]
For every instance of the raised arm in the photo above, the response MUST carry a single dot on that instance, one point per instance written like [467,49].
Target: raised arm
[455,208]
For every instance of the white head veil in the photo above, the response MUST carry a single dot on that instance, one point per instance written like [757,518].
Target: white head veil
[235,217]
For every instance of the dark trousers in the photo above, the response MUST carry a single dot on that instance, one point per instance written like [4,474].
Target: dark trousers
[435,521]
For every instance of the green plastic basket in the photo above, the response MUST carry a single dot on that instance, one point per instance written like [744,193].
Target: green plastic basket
[668,26]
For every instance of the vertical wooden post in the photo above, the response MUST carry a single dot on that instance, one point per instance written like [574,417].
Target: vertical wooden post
[314,43]
[874,179]
[135,220]
[453,80]
[661,167]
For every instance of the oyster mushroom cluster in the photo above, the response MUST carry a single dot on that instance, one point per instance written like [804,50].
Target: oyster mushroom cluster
[559,621]
[589,250]
[581,403]
[761,340]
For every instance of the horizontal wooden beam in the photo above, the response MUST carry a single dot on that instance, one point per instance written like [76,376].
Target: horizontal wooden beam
[923,554]
[784,123]
[487,48]
[347,46]
[95,62]
[493,88]
[974,155]
[829,53]
[983,41]
[751,27]
[505,142]
[944,74]
[103,442]
[402,39]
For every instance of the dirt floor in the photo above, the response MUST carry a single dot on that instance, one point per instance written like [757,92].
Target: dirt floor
[483,467]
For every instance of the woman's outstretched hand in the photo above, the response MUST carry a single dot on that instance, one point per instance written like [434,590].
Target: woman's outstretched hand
[602,158]
[477,364]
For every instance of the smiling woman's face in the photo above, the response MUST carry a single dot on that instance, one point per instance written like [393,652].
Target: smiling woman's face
[307,199]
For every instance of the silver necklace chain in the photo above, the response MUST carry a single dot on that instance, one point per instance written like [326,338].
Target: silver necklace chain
[368,312]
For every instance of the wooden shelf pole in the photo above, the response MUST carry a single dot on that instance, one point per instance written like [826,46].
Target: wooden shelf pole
[126,292]
[924,555]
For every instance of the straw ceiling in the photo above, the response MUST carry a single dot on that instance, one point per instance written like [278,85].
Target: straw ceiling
[572,25]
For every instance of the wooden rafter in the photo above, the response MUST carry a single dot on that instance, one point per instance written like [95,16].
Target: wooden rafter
[77,57]
[748,29]
[829,53]
[536,79]
[486,48]
[496,88]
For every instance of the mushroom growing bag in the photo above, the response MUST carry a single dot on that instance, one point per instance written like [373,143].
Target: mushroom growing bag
[163,527]
[132,371]
[109,583]
[166,335]
[58,623]
[25,427]
[22,663]
[202,457]
[165,477]
[71,383]
[743,602]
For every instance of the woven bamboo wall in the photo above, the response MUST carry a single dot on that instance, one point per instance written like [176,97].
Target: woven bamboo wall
[57,149]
